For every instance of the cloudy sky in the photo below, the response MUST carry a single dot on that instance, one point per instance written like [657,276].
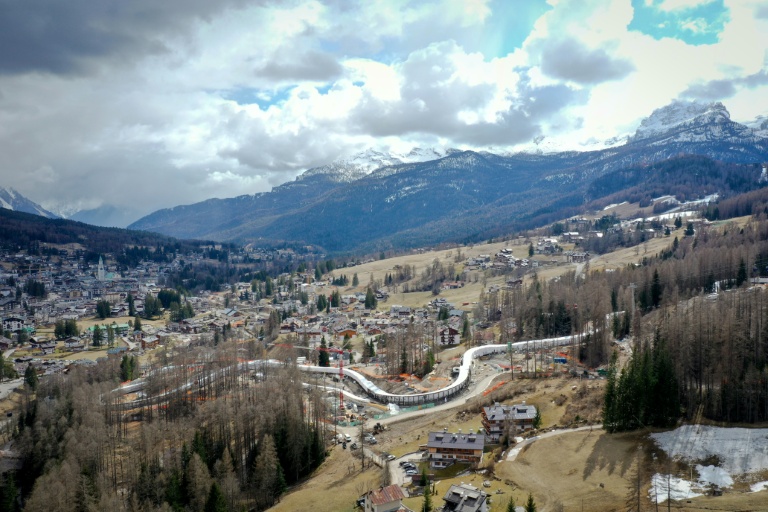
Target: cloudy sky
[148,104]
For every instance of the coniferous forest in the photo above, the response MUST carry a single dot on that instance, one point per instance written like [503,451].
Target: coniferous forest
[699,329]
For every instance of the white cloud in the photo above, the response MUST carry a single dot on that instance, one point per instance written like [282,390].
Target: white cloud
[155,125]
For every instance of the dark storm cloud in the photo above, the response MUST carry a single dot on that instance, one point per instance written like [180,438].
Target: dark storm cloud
[570,60]
[712,90]
[64,36]
[311,65]
[721,89]
[756,80]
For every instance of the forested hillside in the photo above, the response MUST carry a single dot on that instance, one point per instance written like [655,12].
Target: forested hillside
[695,298]
[23,231]
[228,445]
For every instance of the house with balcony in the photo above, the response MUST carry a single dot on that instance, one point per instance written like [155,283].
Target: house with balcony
[499,419]
[444,448]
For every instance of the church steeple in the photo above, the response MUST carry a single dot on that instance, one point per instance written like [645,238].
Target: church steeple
[101,274]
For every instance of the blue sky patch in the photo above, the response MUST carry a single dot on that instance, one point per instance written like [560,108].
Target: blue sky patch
[696,25]
[509,24]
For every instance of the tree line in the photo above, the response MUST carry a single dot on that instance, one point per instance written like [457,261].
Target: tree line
[233,441]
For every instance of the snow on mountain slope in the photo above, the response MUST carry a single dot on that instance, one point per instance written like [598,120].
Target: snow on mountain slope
[345,170]
[691,121]
[10,199]
[759,125]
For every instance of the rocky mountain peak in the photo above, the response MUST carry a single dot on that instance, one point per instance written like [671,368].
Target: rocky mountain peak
[11,199]
[680,114]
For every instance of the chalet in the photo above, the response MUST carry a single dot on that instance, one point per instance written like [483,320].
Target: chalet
[577,257]
[71,343]
[465,498]
[399,311]
[445,448]
[385,499]
[498,419]
[14,323]
[148,342]
[448,336]
[46,348]
[344,332]
[5,343]
[9,304]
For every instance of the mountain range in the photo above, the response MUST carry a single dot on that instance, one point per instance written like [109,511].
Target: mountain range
[10,199]
[376,200]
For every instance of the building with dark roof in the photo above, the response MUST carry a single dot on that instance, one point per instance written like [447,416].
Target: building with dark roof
[465,498]
[499,419]
[445,448]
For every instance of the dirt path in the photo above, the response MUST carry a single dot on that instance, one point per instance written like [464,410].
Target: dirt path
[513,453]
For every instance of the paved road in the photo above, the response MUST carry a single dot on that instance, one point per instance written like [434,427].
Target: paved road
[513,453]
[481,380]
[8,386]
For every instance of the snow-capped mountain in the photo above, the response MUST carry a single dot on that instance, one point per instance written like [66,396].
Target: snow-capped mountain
[10,199]
[691,121]
[759,125]
[352,168]
[429,195]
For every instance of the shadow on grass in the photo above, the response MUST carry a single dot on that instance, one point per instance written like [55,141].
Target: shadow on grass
[612,452]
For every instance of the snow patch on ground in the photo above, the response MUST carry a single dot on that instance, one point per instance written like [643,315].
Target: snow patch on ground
[664,486]
[759,486]
[714,475]
[739,451]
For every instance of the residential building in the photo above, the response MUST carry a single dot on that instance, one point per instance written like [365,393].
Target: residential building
[385,499]
[465,498]
[445,448]
[498,419]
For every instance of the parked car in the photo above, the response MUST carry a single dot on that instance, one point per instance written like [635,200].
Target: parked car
[391,457]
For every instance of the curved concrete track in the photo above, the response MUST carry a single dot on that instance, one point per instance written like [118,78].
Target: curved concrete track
[369,388]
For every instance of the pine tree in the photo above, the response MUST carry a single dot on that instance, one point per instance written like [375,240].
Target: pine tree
[322,358]
[370,299]
[131,305]
[216,501]
[98,336]
[530,505]
[609,398]
[30,377]
[511,504]
[741,275]
[427,505]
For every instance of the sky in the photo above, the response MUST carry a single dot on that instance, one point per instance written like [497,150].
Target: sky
[147,104]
